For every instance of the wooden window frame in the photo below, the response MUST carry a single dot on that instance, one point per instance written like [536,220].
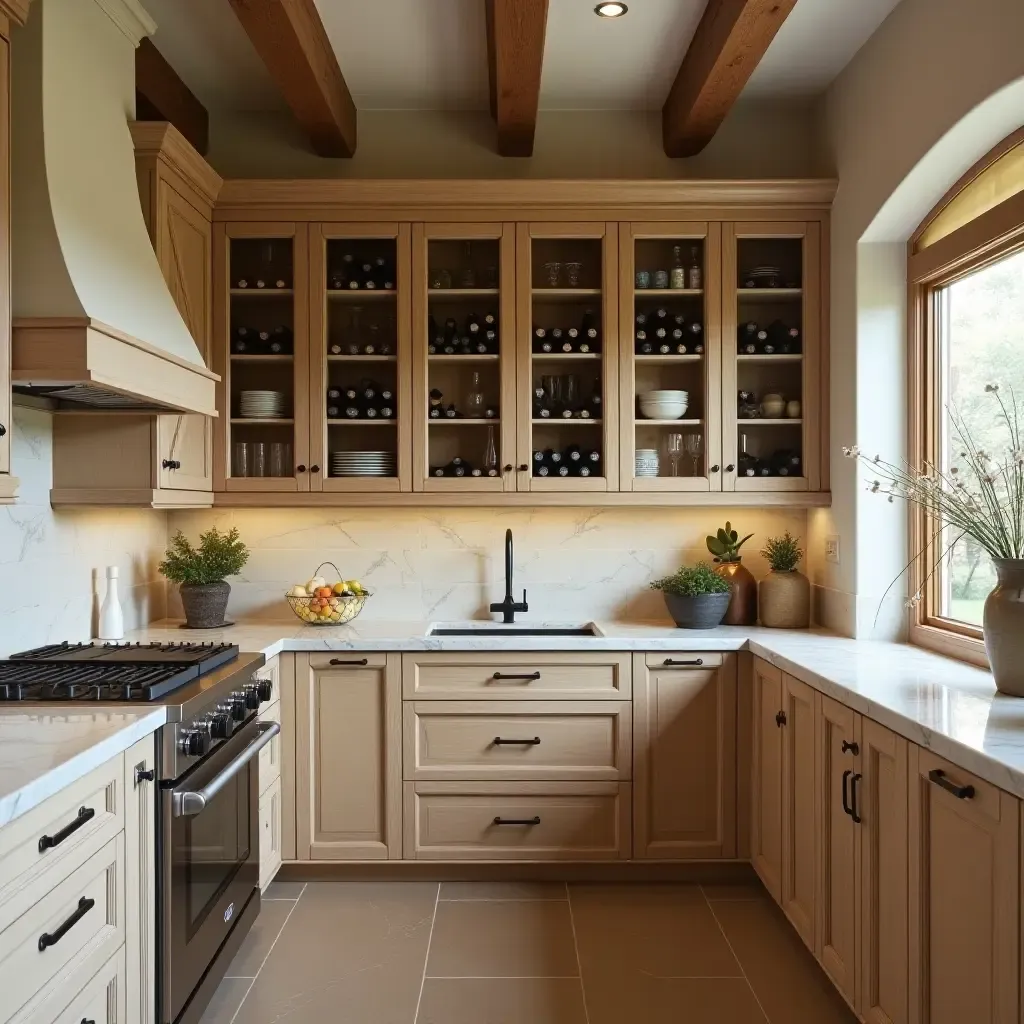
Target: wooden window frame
[991,236]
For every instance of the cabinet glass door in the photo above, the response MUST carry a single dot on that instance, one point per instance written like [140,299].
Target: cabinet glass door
[670,356]
[262,335]
[566,281]
[464,372]
[771,357]
[359,330]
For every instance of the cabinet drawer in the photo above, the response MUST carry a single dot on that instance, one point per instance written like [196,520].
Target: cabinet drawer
[985,803]
[336,660]
[270,833]
[566,820]
[270,755]
[682,660]
[526,676]
[88,905]
[72,825]
[100,1000]
[560,740]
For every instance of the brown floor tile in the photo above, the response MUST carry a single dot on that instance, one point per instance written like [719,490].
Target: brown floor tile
[351,951]
[503,891]
[284,891]
[639,998]
[735,891]
[261,937]
[660,931]
[226,1000]
[791,986]
[494,939]
[503,1001]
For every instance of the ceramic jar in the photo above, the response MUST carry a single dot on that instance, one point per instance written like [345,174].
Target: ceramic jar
[793,409]
[700,611]
[742,610]
[1003,626]
[773,406]
[784,600]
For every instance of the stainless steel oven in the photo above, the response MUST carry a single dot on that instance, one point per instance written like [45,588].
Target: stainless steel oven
[208,849]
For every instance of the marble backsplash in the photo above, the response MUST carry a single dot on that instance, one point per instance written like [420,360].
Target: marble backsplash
[52,563]
[449,563]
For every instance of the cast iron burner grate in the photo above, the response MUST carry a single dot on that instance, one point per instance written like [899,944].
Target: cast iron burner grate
[205,656]
[28,681]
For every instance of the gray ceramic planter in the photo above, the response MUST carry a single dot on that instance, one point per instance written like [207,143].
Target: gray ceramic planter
[1004,626]
[703,611]
[205,604]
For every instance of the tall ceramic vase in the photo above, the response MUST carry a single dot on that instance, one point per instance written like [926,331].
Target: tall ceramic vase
[1003,626]
[742,610]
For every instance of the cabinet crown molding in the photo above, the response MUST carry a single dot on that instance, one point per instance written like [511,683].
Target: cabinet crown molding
[16,10]
[130,17]
[160,140]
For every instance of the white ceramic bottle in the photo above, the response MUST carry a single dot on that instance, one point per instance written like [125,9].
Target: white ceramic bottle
[111,616]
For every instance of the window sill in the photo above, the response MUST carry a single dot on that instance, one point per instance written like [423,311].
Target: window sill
[952,645]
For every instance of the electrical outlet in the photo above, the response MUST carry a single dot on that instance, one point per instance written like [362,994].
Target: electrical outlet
[832,548]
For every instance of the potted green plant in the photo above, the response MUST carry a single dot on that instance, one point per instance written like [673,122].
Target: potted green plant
[978,496]
[784,596]
[725,546]
[200,574]
[696,596]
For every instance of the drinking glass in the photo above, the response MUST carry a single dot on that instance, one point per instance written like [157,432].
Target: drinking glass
[673,449]
[643,279]
[440,279]
[572,274]
[467,277]
[552,274]
[693,444]
[259,453]
[552,386]
[661,279]
[242,465]
[572,393]
[280,459]
[490,454]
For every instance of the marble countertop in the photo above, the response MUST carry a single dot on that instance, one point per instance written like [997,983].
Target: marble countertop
[43,752]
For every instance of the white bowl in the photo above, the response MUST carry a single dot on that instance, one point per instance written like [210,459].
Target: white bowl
[667,395]
[663,410]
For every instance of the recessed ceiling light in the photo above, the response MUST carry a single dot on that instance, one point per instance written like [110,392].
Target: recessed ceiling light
[610,10]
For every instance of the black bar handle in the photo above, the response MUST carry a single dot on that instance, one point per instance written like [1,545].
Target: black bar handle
[846,799]
[535,742]
[938,776]
[52,938]
[351,661]
[854,779]
[852,748]
[673,661]
[532,676]
[780,719]
[84,814]
[518,821]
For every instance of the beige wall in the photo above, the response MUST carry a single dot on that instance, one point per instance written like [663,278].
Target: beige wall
[918,104]
[449,563]
[761,140]
[48,558]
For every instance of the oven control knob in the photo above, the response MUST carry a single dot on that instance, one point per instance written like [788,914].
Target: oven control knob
[194,742]
[222,725]
[265,689]
[237,705]
[252,697]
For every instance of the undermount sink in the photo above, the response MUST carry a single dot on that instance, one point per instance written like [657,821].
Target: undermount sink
[497,629]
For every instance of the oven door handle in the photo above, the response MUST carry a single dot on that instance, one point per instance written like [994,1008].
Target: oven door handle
[184,805]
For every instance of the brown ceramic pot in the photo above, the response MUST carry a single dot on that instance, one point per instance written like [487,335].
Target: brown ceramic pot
[1003,626]
[742,610]
[784,600]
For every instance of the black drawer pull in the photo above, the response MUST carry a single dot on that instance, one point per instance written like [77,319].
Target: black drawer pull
[52,938]
[352,661]
[672,661]
[780,719]
[854,779]
[529,676]
[938,776]
[535,742]
[853,748]
[87,1020]
[518,821]
[84,814]
[846,798]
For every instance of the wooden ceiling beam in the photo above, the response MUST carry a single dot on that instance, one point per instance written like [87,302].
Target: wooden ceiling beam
[730,41]
[160,95]
[515,55]
[290,38]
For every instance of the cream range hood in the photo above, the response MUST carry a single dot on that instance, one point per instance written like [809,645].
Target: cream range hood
[94,322]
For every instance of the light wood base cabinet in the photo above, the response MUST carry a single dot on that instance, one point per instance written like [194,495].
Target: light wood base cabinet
[964,896]
[766,783]
[684,777]
[348,752]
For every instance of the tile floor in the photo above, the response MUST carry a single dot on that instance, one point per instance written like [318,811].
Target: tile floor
[522,953]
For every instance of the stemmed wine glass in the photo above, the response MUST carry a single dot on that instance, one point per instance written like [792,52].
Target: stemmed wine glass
[693,444]
[673,448]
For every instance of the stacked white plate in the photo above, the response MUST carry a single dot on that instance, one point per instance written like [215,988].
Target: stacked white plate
[647,462]
[363,464]
[262,405]
[664,405]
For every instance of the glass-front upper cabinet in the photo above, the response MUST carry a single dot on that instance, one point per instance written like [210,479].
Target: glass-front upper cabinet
[566,325]
[670,356]
[771,357]
[360,426]
[464,371]
[262,337]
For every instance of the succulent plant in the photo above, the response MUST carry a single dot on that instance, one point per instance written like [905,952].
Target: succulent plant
[725,546]
[692,581]
[783,553]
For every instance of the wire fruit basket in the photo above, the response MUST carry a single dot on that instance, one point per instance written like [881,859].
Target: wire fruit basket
[327,605]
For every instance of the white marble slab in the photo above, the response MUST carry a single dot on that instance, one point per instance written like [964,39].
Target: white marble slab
[42,753]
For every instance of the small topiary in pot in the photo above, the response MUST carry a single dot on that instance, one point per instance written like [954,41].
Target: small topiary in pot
[696,596]
[784,596]
[199,573]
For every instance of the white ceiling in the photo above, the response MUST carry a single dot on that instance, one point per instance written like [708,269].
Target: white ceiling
[431,54]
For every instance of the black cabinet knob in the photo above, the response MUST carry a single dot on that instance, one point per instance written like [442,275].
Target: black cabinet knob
[780,719]
[300,468]
[167,464]
[3,430]
[714,469]
[729,468]
[314,469]
[523,467]
[507,469]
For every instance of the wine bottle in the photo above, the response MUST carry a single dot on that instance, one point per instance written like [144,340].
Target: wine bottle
[490,321]
[539,337]
[435,397]
[553,456]
[458,466]
[542,470]
[472,324]
[761,340]
[583,470]
[451,412]
[563,470]
[476,472]
[539,410]
[333,412]
[348,269]
[366,276]
[793,342]
[646,348]
[263,342]
[694,275]
[387,412]
[382,274]
[677,275]
[352,412]
[352,275]
[556,339]
[242,341]
[746,464]
[438,471]
[333,394]
[746,340]
[574,454]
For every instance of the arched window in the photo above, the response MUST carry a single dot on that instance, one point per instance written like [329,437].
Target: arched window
[966,329]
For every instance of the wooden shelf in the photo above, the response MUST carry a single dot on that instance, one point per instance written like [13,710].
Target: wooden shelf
[769,423]
[671,293]
[461,293]
[357,295]
[361,359]
[244,357]
[641,422]
[464,422]
[478,357]
[561,421]
[340,421]
[656,359]
[558,357]
[770,294]
[786,357]
[261,293]
[566,294]
[265,422]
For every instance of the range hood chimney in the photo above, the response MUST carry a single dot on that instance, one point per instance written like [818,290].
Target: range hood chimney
[94,322]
